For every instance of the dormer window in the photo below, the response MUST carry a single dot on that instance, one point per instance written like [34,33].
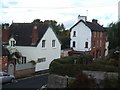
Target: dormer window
[12,42]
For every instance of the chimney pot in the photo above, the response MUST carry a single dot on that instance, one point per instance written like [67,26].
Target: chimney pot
[94,21]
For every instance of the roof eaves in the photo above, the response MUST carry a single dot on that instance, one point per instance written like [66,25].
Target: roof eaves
[55,33]
[76,24]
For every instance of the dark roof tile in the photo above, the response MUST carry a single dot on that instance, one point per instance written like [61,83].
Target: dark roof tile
[22,32]
[92,26]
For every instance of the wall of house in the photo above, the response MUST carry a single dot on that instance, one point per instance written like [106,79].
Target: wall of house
[98,44]
[4,63]
[50,53]
[106,47]
[83,34]
[0,63]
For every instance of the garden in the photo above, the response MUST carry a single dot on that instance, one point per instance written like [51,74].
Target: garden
[73,66]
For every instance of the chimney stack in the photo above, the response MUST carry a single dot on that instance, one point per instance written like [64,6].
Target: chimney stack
[94,21]
[34,35]
[84,18]
[5,33]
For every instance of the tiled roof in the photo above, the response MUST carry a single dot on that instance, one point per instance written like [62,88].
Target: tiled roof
[22,32]
[91,25]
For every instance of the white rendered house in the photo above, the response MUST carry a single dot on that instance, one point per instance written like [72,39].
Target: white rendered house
[80,35]
[36,41]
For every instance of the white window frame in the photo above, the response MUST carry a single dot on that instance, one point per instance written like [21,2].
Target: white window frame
[74,44]
[74,33]
[53,43]
[100,43]
[86,44]
[100,34]
[41,60]
[43,43]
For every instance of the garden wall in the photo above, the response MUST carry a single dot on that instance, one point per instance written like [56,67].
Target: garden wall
[23,70]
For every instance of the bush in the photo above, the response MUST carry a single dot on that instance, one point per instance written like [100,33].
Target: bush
[82,81]
[100,61]
[66,66]
[33,62]
[73,69]
[65,69]
[112,62]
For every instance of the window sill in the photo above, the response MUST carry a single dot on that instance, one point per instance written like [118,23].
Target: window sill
[54,47]
[43,48]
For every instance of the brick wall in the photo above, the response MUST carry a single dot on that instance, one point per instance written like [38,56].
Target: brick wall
[5,34]
[0,63]
[4,63]
[97,49]
[24,72]
[34,35]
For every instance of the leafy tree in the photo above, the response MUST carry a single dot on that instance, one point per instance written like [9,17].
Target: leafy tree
[36,21]
[113,35]
[62,34]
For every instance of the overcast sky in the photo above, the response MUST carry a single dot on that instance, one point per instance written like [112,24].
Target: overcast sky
[63,11]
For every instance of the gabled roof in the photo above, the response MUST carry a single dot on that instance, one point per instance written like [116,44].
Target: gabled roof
[22,32]
[93,26]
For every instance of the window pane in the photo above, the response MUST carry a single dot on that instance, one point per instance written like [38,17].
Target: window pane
[74,33]
[86,44]
[53,43]
[43,43]
[41,60]
[73,43]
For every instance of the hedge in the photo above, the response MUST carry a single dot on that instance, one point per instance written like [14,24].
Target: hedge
[66,66]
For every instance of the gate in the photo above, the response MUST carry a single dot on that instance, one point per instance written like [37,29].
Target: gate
[11,69]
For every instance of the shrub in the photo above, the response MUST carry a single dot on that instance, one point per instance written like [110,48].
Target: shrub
[33,62]
[112,62]
[82,81]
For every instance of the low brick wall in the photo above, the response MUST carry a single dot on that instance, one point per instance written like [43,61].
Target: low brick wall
[24,72]
[100,75]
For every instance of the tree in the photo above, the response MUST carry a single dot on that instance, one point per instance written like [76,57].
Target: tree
[36,21]
[113,35]
[62,34]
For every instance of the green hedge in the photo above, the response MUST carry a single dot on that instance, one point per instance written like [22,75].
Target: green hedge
[66,66]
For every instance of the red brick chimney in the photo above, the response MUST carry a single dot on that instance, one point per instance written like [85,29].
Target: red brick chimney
[5,33]
[34,35]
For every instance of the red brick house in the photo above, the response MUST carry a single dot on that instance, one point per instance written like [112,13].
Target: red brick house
[98,47]
[88,37]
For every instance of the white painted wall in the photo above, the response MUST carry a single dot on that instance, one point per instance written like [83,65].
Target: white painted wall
[33,53]
[83,34]
[106,47]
